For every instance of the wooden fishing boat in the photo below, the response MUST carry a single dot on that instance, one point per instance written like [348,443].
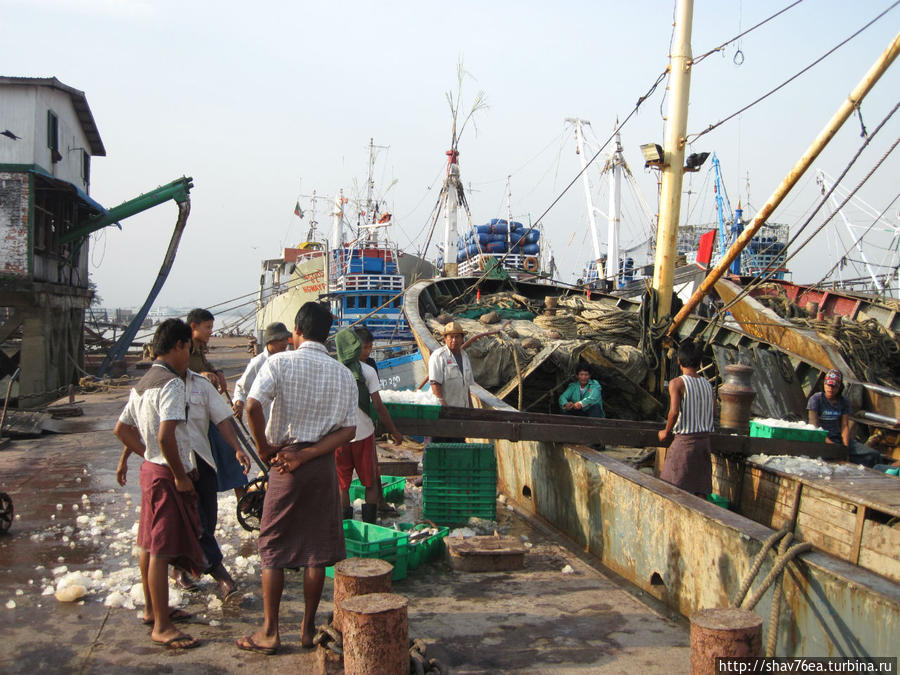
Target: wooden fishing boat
[841,598]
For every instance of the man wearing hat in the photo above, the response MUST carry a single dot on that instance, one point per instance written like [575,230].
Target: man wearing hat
[450,370]
[830,411]
[276,338]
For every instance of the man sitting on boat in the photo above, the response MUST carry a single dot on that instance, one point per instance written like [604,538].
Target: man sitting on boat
[582,397]
[831,411]
[450,370]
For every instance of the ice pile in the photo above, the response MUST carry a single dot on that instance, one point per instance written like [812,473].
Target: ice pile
[408,396]
[804,466]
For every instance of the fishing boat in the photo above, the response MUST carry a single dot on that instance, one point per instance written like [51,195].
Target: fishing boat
[360,271]
[840,594]
[840,598]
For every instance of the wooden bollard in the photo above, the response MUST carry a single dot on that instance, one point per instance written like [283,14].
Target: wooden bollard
[723,632]
[359,576]
[376,635]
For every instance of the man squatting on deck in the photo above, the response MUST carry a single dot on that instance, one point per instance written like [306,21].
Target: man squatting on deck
[313,401]
[353,348]
[691,417]
[153,425]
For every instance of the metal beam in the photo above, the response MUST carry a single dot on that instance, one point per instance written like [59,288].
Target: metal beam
[178,190]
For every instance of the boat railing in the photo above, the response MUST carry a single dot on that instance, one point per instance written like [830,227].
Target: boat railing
[512,261]
[371,282]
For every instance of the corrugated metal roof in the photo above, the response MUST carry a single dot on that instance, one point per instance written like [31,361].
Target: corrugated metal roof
[79,101]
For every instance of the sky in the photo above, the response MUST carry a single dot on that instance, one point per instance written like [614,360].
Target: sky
[264,102]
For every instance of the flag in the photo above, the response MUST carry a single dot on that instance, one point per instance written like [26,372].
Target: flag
[298,211]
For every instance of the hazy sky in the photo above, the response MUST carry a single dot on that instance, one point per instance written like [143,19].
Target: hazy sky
[252,98]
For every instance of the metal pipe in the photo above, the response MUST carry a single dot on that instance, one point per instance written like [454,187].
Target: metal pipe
[12,378]
[834,124]
[673,159]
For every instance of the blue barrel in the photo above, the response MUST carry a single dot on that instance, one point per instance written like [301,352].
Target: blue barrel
[531,249]
[484,238]
[498,237]
[498,221]
[515,249]
[500,227]
[533,237]
[497,247]
[483,229]
[516,225]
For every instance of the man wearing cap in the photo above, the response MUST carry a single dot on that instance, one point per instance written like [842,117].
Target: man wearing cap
[450,370]
[830,411]
[276,338]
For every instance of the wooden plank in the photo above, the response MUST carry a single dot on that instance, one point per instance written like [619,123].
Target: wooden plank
[533,365]
[857,535]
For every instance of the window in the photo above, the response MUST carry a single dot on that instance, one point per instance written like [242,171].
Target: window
[351,302]
[53,136]
[86,166]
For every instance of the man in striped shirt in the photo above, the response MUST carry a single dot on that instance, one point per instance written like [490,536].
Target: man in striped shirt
[691,417]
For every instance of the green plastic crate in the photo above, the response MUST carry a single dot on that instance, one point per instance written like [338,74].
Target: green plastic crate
[758,430]
[365,540]
[424,551]
[392,488]
[433,492]
[454,509]
[459,457]
[415,411]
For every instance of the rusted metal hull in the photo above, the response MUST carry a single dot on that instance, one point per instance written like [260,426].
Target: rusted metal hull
[680,549]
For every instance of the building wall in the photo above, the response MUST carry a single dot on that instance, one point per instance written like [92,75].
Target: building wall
[23,110]
[72,141]
[15,196]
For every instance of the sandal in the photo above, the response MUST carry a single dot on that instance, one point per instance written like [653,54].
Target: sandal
[172,643]
[248,645]
[175,616]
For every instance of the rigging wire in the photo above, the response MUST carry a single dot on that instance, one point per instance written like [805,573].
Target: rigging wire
[867,230]
[760,280]
[693,137]
[746,32]
[588,163]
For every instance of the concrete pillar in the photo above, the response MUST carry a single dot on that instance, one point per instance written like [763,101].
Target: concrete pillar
[376,635]
[723,632]
[359,576]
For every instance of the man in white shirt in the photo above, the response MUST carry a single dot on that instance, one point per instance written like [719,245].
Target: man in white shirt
[204,406]
[450,370]
[276,338]
[353,348]
[152,425]
[313,411]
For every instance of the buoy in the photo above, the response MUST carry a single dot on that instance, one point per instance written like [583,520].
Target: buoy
[530,264]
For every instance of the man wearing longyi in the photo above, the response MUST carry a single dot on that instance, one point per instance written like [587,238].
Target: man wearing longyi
[313,401]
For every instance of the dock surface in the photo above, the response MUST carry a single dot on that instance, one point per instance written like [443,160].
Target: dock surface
[539,619]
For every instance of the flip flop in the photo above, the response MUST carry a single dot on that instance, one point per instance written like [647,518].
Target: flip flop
[182,637]
[175,616]
[248,645]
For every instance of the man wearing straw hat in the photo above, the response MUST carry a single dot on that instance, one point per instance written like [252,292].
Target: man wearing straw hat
[450,370]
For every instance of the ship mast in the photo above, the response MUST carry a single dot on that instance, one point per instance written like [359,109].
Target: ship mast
[579,148]
[451,191]
[615,213]
[673,158]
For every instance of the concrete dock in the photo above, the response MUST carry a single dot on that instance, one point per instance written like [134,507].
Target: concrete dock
[71,513]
